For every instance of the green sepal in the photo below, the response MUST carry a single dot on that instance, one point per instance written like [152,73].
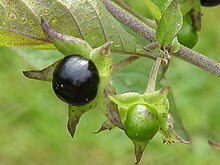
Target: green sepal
[195,14]
[106,125]
[111,109]
[74,114]
[67,45]
[101,56]
[124,101]
[186,6]
[45,74]
[139,148]
[170,136]
[175,45]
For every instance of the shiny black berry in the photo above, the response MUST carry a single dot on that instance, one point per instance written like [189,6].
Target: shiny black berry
[210,2]
[75,80]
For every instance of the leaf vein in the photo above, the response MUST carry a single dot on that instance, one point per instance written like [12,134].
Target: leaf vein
[102,27]
[122,45]
[75,21]
[25,35]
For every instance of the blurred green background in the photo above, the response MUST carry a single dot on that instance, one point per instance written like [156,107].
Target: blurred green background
[33,121]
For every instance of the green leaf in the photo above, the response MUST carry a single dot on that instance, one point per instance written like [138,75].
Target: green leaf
[161,4]
[11,39]
[170,24]
[38,58]
[175,46]
[88,20]
[155,11]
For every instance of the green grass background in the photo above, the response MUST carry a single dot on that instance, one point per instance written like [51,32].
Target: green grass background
[33,121]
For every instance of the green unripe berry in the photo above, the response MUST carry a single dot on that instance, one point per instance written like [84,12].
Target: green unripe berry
[187,35]
[141,123]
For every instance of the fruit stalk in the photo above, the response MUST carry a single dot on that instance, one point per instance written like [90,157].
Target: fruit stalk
[153,75]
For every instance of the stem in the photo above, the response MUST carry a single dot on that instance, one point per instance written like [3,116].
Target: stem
[199,60]
[153,75]
[151,46]
[123,63]
[127,19]
[143,30]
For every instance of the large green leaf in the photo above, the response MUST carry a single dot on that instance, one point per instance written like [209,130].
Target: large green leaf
[85,19]
[170,24]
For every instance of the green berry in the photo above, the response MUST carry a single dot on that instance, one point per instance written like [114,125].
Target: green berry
[141,123]
[187,35]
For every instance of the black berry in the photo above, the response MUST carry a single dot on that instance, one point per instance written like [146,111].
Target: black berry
[210,2]
[75,80]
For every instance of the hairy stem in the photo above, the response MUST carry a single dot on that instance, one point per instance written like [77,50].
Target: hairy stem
[130,21]
[148,33]
[153,75]
[199,60]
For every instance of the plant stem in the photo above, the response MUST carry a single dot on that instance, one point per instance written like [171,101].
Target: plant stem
[153,75]
[199,60]
[143,30]
[127,19]
[123,63]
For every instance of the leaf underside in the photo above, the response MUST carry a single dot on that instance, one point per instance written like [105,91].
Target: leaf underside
[85,19]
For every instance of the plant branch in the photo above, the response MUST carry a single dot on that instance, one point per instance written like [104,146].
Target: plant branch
[153,75]
[148,33]
[123,63]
